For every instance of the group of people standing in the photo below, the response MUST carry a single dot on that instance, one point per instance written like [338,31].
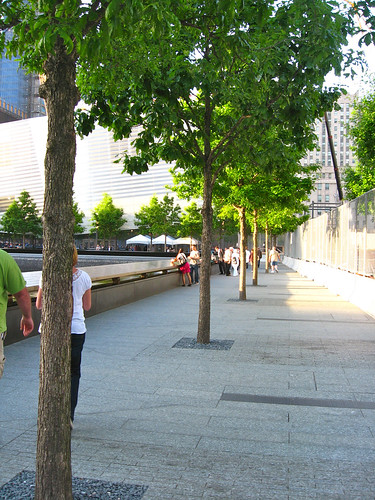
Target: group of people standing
[229,259]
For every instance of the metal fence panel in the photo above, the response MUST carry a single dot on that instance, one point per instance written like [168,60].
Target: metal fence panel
[344,238]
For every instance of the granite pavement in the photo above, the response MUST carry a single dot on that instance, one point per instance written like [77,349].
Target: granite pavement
[285,410]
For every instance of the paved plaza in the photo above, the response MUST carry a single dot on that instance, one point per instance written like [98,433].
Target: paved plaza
[282,406]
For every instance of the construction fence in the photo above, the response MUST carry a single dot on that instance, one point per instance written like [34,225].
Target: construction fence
[343,238]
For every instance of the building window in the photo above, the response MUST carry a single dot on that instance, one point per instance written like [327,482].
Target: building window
[319,186]
[319,198]
[327,198]
[327,186]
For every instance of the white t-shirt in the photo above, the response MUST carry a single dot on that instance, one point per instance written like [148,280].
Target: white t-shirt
[80,284]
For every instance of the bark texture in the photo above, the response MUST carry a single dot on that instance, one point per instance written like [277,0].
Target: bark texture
[204,318]
[53,462]
[255,249]
[242,287]
[266,249]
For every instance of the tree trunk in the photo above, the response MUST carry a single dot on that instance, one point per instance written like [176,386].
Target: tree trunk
[242,290]
[204,318]
[255,249]
[53,461]
[267,249]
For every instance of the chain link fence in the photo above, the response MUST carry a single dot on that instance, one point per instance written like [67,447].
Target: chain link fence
[343,239]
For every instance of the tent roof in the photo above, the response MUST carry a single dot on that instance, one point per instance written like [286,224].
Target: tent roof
[160,240]
[139,239]
[188,240]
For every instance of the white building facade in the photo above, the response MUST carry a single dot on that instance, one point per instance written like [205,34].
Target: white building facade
[22,152]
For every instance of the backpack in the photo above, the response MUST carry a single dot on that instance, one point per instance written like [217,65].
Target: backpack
[182,259]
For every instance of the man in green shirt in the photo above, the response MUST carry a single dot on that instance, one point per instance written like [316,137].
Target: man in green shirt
[12,281]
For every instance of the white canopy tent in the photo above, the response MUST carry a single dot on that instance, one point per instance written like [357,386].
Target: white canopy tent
[160,240]
[188,240]
[139,239]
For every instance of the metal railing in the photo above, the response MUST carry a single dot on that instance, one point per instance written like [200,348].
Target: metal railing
[344,238]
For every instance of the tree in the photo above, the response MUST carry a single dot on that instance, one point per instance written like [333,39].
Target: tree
[231,66]
[170,216]
[270,178]
[361,178]
[50,37]
[78,219]
[191,221]
[159,217]
[147,219]
[107,220]
[22,217]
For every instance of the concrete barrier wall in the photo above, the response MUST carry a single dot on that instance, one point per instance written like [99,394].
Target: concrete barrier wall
[103,299]
[114,296]
[356,289]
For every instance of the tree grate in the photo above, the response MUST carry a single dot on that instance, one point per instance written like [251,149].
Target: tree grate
[23,486]
[215,345]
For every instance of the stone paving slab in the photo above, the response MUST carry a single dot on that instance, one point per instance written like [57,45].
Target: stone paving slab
[150,414]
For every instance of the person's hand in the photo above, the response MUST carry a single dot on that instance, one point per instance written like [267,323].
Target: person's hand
[26,325]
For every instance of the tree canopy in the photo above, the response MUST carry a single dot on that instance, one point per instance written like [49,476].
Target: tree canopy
[78,219]
[191,221]
[107,219]
[159,217]
[22,217]
[361,178]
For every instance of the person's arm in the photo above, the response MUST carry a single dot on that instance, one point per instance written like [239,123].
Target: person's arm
[39,296]
[24,302]
[86,300]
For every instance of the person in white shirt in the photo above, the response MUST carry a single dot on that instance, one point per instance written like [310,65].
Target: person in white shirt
[228,260]
[81,292]
[273,259]
[194,259]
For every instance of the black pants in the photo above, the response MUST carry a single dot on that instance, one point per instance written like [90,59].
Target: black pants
[221,267]
[77,341]
[227,268]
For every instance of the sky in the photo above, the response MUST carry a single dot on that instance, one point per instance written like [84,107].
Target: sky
[361,83]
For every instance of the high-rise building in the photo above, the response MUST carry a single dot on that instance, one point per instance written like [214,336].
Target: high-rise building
[325,194]
[19,92]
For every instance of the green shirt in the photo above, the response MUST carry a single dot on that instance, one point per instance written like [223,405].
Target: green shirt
[11,281]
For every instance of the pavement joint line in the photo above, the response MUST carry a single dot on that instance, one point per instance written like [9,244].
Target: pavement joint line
[242,301]
[297,401]
[317,320]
